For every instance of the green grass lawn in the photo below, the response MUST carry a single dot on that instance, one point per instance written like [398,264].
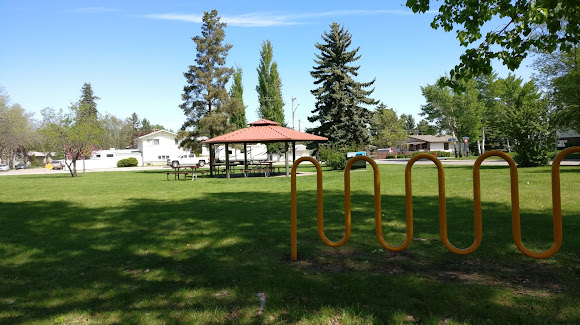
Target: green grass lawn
[132,247]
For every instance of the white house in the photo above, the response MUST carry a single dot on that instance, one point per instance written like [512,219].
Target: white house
[430,143]
[159,146]
[109,158]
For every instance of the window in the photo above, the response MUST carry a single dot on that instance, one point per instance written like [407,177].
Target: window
[446,146]
[155,142]
[149,140]
[110,155]
[98,156]
[163,157]
[176,142]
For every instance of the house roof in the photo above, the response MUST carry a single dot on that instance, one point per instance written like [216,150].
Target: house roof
[157,132]
[264,131]
[429,138]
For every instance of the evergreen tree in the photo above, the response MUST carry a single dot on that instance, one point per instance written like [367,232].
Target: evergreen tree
[135,124]
[269,86]
[339,98]
[423,127]
[205,92]
[146,126]
[238,117]
[409,122]
[88,101]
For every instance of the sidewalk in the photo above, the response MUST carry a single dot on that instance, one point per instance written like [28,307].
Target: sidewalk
[468,162]
[38,171]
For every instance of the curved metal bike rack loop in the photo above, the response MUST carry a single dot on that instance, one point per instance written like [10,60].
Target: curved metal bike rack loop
[477,211]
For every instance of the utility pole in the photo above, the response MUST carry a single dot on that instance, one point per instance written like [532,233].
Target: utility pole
[294,110]
[299,126]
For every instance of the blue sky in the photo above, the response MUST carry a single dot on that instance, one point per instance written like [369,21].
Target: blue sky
[134,53]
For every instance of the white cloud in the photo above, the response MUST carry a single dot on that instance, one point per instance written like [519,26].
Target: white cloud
[179,17]
[92,10]
[269,19]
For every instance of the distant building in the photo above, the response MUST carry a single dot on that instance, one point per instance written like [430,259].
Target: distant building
[568,138]
[159,146]
[430,143]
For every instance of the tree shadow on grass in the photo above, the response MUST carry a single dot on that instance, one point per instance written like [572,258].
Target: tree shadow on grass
[153,260]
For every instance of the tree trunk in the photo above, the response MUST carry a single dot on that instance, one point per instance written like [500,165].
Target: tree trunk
[508,145]
[72,167]
[483,140]
[454,143]
[478,147]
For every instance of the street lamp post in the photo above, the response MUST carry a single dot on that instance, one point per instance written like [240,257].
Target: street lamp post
[293,110]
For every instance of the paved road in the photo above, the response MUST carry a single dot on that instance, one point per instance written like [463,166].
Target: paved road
[452,162]
[445,162]
[36,171]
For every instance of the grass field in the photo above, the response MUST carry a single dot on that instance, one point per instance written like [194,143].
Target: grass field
[132,247]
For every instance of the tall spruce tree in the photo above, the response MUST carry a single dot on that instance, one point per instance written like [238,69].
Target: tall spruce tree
[205,92]
[339,98]
[88,101]
[269,86]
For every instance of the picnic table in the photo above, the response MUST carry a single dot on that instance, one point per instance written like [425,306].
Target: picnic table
[223,171]
[261,167]
[185,170]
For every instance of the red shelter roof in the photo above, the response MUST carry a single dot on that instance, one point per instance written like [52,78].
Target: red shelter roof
[263,131]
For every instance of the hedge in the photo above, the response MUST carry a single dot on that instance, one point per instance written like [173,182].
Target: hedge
[129,162]
[439,154]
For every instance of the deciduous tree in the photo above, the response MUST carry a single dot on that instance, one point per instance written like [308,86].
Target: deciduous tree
[454,111]
[526,120]
[387,129]
[269,86]
[559,75]
[16,130]
[523,25]
[238,114]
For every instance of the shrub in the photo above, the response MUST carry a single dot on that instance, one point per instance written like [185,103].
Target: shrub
[129,162]
[334,157]
[439,153]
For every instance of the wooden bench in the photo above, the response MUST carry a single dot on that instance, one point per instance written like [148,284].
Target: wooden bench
[266,171]
[177,174]
[246,171]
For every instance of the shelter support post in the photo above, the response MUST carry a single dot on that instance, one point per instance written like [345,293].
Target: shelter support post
[227,161]
[211,159]
[286,157]
[293,152]
[245,156]
[317,152]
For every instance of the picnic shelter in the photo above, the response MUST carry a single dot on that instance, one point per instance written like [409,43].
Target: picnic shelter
[261,131]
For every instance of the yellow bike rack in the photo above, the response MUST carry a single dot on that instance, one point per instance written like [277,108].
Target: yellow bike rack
[516,226]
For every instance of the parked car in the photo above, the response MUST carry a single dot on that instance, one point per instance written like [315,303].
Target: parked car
[57,165]
[4,168]
[190,159]
[21,166]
